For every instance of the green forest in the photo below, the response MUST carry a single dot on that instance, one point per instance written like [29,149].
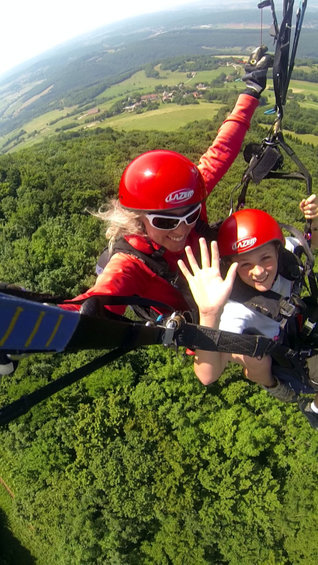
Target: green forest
[139,463]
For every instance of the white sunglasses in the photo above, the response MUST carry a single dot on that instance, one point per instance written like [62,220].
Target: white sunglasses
[161,222]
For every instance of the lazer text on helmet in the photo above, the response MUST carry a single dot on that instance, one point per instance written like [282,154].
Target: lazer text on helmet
[244,243]
[179,196]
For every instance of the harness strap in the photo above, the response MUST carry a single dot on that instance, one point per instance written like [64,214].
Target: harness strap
[19,292]
[264,160]
[284,60]
[281,57]
[158,265]
[201,337]
[310,323]
[267,158]
[291,153]
[93,306]
[124,335]
[270,3]
[298,25]
[190,336]
[268,303]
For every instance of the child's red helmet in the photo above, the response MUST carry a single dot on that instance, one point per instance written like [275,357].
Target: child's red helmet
[161,180]
[246,230]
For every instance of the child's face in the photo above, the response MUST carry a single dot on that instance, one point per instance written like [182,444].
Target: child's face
[258,268]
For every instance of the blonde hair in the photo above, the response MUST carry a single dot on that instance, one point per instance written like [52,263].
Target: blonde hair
[120,222]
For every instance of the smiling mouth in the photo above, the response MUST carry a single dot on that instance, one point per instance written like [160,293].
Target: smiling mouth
[180,238]
[260,281]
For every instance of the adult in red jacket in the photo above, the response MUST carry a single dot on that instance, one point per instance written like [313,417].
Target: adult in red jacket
[161,201]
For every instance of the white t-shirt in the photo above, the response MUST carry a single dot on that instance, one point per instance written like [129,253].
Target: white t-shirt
[238,318]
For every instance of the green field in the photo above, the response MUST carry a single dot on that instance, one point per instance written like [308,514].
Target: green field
[139,82]
[163,119]
[168,117]
[304,137]
[305,87]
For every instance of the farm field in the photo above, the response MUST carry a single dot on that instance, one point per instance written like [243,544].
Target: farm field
[49,123]
[141,83]
[304,86]
[304,137]
[167,117]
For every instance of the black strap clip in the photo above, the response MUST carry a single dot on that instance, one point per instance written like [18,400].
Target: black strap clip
[172,325]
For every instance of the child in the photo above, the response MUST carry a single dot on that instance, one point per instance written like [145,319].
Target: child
[250,242]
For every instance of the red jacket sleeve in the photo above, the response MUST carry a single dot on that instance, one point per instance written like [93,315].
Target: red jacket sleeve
[126,275]
[227,144]
[121,277]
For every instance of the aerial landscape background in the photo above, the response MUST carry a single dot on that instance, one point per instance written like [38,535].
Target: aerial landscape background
[139,463]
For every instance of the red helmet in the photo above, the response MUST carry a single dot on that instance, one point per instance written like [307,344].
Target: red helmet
[161,180]
[246,230]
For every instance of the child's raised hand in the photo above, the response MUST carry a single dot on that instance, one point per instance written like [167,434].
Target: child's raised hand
[209,289]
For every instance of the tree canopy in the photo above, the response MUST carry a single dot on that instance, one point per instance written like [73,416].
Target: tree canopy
[139,463]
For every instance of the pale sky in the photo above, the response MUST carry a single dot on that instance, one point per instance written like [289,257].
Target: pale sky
[31,27]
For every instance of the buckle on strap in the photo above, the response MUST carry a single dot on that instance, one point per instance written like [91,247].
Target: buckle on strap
[287,309]
[308,327]
[173,324]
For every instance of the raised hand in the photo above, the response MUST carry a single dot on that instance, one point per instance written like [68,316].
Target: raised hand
[256,71]
[209,289]
[309,207]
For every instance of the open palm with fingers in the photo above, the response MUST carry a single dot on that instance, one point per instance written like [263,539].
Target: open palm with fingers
[209,289]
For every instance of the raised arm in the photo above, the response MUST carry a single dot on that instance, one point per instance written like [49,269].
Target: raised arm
[222,153]
[210,291]
[226,146]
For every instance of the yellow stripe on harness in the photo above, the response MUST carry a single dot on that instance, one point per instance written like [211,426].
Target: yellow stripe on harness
[12,324]
[35,329]
[56,327]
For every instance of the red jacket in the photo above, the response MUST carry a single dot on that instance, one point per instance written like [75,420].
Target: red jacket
[127,275]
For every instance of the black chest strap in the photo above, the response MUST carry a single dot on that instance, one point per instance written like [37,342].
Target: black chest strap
[155,260]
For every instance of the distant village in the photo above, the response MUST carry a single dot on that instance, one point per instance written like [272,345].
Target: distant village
[168,96]
[179,94]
